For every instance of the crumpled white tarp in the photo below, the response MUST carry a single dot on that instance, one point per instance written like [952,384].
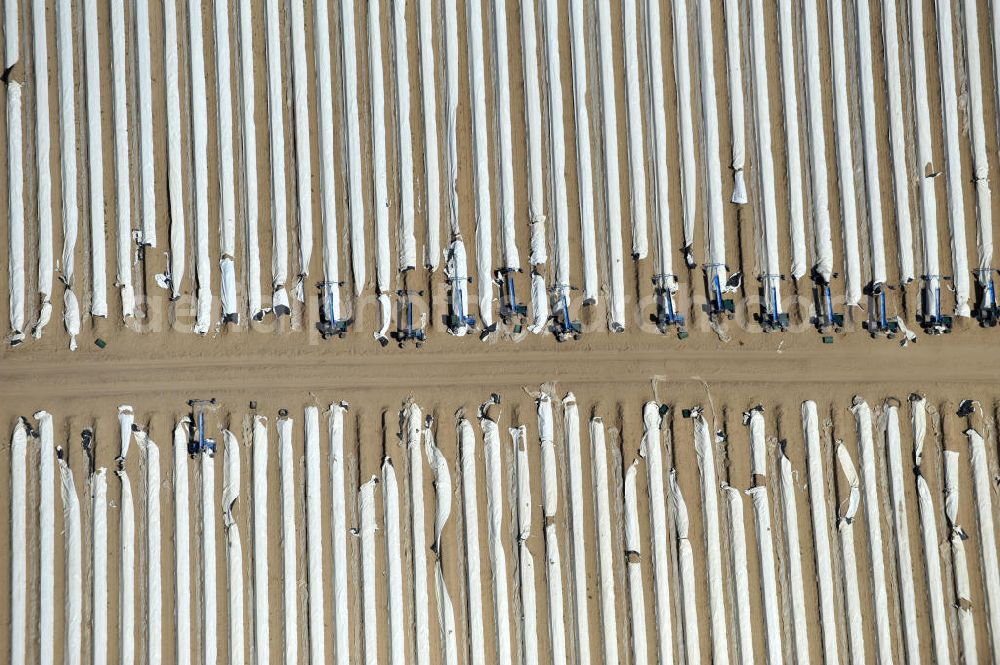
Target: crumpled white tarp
[983,497]
[43,167]
[845,157]
[845,526]
[123,174]
[393,564]
[557,149]
[176,164]
[525,562]
[870,137]
[816,127]
[126,419]
[793,155]
[126,572]
[99,572]
[897,140]
[369,571]
[71,316]
[636,141]
[95,160]
[251,210]
[234,547]
[276,134]
[227,184]
[959,565]
[457,272]
[46,538]
[260,646]
[685,121]
[303,143]
[73,572]
[428,98]
[407,256]
[584,174]
[153,583]
[67,153]
[207,595]
[820,528]
[734,72]
[602,517]
[495,529]
[539,304]
[481,164]
[918,421]
[442,511]
[415,466]
[199,138]
[633,554]
[685,556]
[533,125]
[380,186]
[900,531]
[609,119]
[800,636]
[651,451]
[578,545]
[505,152]
[18,541]
[741,583]
[352,138]
[182,547]
[286,470]
[470,514]
[935,585]
[314,536]
[15,209]
[953,157]
[550,504]
[873,519]
[713,548]
[977,131]
[338,516]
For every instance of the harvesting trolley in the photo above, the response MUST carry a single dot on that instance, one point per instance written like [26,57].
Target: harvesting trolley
[198,441]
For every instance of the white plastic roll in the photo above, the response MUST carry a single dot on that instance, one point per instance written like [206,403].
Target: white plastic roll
[918,420]
[40,58]
[286,470]
[451,67]
[980,161]
[741,583]
[816,126]
[71,317]
[421,601]
[393,565]
[314,536]
[793,155]
[796,586]
[126,572]
[901,535]
[95,160]
[505,153]
[251,211]
[845,156]
[428,98]
[685,555]
[550,504]
[227,185]
[67,149]
[609,120]
[407,257]
[960,567]
[303,142]
[539,305]
[380,186]
[584,174]
[605,561]
[870,138]
[208,598]
[525,562]
[176,164]
[153,582]
[983,496]
[199,139]
[73,575]
[338,516]
[578,546]
[897,140]
[99,561]
[685,121]
[557,149]
[651,450]
[880,599]
[845,526]
[15,209]
[276,133]
[636,145]
[633,554]
[260,646]
[123,174]
[932,559]
[713,547]
[46,539]
[182,547]
[352,138]
[533,125]
[126,419]
[470,514]
[734,73]
[369,571]
[18,541]
[495,529]
[953,157]
[457,272]
[481,164]
[234,548]
[442,511]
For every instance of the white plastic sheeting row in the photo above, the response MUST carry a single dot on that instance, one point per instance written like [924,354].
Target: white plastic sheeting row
[685,557]
[983,497]
[816,124]
[415,465]
[428,97]
[550,504]
[980,161]
[495,529]
[251,206]
[578,546]
[442,511]
[481,164]
[741,585]
[633,110]
[407,245]
[960,567]
[227,187]
[176,164]
[793,165]
[380,187]
[558,201]
[650,449]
